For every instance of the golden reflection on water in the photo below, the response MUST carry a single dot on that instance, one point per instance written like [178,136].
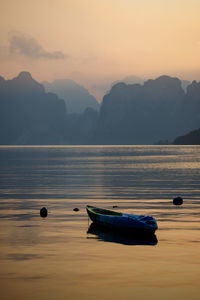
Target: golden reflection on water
[47,259]
[55,258]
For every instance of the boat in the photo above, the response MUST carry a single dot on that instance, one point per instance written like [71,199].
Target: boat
[121,221]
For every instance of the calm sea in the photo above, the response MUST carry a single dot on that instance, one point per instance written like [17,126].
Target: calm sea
[60,257]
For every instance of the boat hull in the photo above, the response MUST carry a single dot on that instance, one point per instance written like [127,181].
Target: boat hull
[122,222]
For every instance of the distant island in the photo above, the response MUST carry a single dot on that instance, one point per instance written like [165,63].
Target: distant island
[143,113]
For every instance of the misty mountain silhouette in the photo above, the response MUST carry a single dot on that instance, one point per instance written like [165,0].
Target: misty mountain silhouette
[132,79]
[145,113]
[76,97]
[191,138]
[28,115]
[80,127]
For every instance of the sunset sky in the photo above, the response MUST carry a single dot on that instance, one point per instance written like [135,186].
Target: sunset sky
[96,42]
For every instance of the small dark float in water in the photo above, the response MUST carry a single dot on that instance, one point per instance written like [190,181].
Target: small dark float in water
[43,212]
[178,201]
[76,209]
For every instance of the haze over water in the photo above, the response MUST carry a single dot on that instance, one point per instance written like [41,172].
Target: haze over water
[56,257]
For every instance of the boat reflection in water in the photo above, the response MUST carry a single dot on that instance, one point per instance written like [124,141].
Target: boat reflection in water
[128,238]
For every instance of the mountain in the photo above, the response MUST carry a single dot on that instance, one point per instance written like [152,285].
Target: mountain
[192,138]
[192,106]
[29,115]
[141,114]
[185,84]
[132,79]
[157,110]
[76,97]
[80,127]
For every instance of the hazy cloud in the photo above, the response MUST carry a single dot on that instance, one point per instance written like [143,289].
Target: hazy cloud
[30,47]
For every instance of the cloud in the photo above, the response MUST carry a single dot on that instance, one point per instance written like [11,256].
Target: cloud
[30,47]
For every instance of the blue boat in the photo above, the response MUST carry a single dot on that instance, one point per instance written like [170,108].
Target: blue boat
[121,221]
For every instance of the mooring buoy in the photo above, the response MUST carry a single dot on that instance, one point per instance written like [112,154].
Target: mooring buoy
[43,212]
[177,201]
[76,209]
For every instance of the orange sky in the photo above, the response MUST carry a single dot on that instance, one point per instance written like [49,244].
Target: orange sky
[100,41]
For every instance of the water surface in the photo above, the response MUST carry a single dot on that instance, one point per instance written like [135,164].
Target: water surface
[60,257]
